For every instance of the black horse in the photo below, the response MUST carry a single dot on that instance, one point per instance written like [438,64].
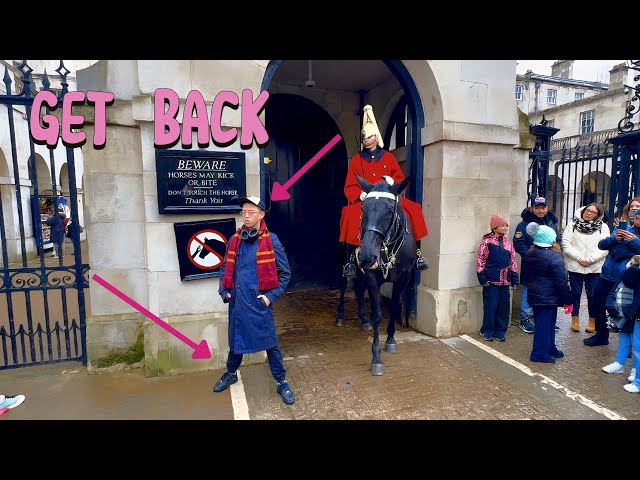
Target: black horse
[387,254]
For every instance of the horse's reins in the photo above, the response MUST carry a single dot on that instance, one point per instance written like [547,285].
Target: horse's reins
[394,237]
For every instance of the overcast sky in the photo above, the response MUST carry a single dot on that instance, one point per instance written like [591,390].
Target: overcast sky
[592,70]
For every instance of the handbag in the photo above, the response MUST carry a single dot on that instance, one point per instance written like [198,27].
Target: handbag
[615,324]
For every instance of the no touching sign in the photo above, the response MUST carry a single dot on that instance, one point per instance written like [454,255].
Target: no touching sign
[201,246]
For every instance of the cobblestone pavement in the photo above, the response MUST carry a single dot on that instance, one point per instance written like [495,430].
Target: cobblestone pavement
[459,378]
[428,378]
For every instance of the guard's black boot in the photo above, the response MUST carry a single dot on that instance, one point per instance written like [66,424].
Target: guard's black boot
[225,381]
[421,262]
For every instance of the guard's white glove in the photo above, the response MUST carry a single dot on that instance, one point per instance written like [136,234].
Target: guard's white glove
[363,195]
[389,180]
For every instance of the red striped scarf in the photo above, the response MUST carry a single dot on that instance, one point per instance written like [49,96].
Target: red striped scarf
[265,259]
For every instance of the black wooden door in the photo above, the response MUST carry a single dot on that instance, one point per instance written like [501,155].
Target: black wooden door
[307,223]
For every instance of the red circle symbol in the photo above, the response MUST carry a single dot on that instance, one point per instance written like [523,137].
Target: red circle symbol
[200,252]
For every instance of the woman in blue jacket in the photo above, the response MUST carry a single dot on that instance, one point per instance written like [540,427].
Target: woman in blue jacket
[622,245]
[546,278]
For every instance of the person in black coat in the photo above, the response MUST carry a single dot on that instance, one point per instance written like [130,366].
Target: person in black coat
[539,213]
[546,278]
[56,222]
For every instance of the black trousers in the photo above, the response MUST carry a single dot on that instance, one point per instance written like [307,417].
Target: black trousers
[603,287]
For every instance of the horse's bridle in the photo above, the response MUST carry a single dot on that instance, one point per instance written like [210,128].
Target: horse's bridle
[394,237]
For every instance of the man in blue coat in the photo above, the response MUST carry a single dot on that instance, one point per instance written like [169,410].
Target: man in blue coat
[254,274]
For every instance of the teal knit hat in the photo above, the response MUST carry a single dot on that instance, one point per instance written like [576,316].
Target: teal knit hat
[543,236]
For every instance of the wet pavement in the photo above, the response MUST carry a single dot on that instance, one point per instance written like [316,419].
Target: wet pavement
[459,378]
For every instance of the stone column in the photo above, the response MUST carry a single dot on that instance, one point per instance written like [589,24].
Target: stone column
[131,245]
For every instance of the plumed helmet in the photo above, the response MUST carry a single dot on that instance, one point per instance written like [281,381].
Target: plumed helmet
[369,125]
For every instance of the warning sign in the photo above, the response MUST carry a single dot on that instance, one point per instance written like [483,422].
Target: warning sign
[202,246]
[201,249]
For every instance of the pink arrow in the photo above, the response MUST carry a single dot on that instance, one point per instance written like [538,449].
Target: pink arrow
[199,351]
[279,192]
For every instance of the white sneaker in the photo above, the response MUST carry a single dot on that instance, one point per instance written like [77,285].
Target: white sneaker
[630,387]
[632,376]
[615,367]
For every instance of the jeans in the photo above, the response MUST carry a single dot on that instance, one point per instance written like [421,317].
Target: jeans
[635,343]
[624,346]
[526,312]
[275,363]
[576,280]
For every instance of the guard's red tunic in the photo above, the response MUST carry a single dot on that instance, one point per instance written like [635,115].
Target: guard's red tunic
[373,172]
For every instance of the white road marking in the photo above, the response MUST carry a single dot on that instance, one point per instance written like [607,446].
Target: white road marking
[546,380]
[239,400]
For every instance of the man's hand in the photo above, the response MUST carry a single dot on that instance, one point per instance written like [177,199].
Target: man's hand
[266,300]
[584,263]
[228,295]
[624,235]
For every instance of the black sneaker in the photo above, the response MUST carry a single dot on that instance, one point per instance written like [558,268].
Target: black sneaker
[284,390]
[486,337]
[227,379]
[526,326]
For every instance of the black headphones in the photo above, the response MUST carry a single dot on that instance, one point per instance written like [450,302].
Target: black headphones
[245,235]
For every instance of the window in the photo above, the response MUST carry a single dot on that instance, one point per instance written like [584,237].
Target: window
[550,123]
[579,96]
[519,90]
[586,121]
[551,96]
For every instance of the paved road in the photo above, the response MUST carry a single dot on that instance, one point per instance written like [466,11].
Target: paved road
[458,378]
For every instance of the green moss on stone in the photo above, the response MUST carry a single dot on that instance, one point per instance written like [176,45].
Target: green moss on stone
[129,356]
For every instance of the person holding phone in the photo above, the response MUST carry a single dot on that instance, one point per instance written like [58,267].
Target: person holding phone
[628,213]
[621,245]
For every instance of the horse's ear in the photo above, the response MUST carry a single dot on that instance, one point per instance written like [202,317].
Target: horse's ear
[398,187]
[364,185]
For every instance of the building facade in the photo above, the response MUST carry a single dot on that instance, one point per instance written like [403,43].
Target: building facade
[578,171]
[453,124]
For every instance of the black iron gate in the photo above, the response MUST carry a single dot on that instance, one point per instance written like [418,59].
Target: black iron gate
[607,172]
[42,303]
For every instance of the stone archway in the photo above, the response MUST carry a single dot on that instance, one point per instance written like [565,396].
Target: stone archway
[9,210]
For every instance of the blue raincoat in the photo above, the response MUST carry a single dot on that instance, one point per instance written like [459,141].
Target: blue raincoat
[251,325]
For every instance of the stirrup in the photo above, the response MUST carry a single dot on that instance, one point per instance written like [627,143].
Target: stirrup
[349,270]
[421,262]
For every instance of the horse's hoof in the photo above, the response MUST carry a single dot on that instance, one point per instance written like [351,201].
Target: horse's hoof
[377,369]
[339,322]
[390,347]
[367,326]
